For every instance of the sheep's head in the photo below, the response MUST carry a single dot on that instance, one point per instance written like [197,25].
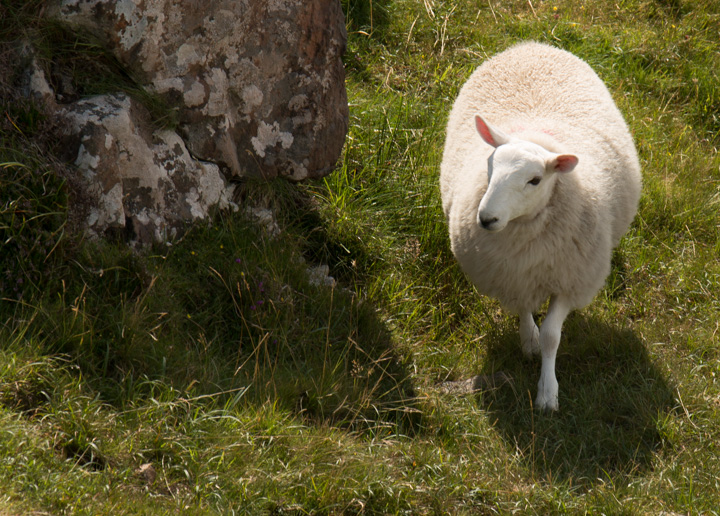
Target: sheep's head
[521,175]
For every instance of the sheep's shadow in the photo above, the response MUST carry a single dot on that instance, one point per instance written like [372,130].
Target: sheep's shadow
[613,400]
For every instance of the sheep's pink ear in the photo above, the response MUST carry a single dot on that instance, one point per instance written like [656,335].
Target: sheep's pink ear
[562,163]
[491,135]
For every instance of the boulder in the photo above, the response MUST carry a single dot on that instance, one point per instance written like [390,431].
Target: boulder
[259,84]
[140,182]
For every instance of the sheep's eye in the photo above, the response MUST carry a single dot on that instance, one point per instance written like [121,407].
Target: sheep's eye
[535,180]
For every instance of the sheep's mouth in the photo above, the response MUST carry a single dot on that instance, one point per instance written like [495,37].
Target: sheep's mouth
[491,224]
[488,223]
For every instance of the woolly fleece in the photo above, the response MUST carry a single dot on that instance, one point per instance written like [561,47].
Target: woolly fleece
[550,97]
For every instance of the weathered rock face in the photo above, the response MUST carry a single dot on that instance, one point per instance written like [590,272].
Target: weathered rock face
[259,84]
[141,181]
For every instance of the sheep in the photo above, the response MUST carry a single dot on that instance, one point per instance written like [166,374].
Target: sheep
[539,181]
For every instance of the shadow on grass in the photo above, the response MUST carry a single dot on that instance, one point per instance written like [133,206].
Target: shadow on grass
[366,15]
[348,375]
[612,402]
[226,309]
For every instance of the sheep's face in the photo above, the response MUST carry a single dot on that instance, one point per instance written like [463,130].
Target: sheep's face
[521,176]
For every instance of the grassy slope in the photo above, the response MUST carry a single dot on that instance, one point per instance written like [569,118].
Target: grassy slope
[248,389]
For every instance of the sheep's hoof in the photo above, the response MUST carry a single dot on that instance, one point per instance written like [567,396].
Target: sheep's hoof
[547,405]
[531,344]
[547,398]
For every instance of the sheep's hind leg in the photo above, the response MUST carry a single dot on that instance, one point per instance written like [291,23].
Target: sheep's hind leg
[529,335]
[547,398]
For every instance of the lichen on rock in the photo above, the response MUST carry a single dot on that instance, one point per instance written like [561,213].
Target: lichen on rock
[145,182]
[259,85]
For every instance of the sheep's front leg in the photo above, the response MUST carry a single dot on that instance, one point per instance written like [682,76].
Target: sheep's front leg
[529,335]
[547,398]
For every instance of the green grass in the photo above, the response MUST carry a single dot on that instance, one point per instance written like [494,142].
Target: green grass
[251,391]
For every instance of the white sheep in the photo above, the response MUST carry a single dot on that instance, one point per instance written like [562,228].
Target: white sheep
[539,181]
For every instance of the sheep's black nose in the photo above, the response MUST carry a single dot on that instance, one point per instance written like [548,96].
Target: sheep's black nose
[486,223]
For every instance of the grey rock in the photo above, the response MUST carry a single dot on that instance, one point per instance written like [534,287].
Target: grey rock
[319,276]
[137,180]
[475,384]
[259,84]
